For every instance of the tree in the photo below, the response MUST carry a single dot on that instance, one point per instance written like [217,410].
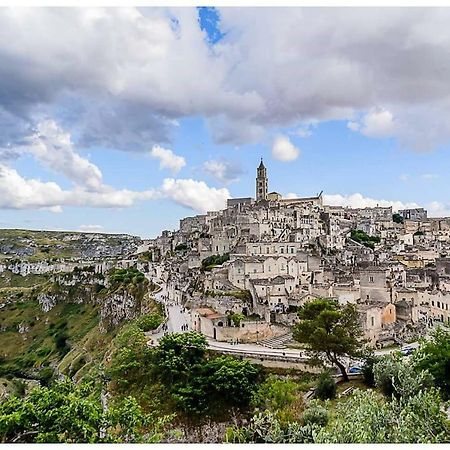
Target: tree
[396,376]
[217,384]
[367,418]
[131,360]
[397,218]
[434,356]
[326,387]
[177,353]
[68,413]
[330,331]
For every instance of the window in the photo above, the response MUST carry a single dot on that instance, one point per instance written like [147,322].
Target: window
[367,297]
[370,279]
[438,304]
[432,303]
[373,321]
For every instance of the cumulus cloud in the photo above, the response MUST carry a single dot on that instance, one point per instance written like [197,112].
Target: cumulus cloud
[167,159]
[131,73]
[378,123]
[223,171]
[17,192]
[284,150]
[359,201]
[52,146]
[193,194]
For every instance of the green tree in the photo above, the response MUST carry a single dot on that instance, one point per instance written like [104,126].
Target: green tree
[217,384]
[399,377]
[131,360]
[177,353]
[434,356]
[68,413]
[326,387]
[331,332]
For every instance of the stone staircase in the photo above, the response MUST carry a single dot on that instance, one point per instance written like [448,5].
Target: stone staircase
[277,342]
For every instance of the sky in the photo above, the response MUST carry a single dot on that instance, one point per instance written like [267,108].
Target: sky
[126,120]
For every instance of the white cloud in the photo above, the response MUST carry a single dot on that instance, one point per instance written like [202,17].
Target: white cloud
[133,73]
[223,171]
[193,194]
[429,176]
[359,201]
[283,149]
[167,159]
[52,146]
[378,123]
[91,228]
[438,209]
[17,192]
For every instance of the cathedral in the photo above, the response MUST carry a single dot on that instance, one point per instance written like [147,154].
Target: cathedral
[262,194]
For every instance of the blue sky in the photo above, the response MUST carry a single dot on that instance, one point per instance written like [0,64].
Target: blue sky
[168,111]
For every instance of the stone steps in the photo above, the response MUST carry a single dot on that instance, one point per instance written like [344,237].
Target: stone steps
[277,342]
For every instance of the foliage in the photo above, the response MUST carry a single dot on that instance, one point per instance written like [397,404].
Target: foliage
[149,322]
[131,360]
[69,413]
[315,414]
[236,319]
[326,387]
[181,247]
[397,218]
[367,371]
[177,353]
[214,260]
[219,383]
[397,376]
[127,276]
[265,427]
[434,356]
[275,394]
[366,418]
[364,239]
[330,331]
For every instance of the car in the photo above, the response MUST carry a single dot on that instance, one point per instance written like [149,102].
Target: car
[354,369]
[406,351]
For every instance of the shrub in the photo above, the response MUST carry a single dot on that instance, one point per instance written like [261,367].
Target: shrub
[315,414]
[149,322]
[367,371]
[326,387]
[395,376]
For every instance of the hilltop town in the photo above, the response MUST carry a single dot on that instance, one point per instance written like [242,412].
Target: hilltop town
[244,271]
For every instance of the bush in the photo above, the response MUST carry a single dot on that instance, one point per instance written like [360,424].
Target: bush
[149,322]
[315,414]
[398,377]
[326,387]
[367,371]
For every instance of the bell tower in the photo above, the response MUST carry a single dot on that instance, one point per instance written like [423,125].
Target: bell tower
[261,182]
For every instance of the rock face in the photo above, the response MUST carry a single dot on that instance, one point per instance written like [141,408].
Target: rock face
[47,301]
[117,308]
[117,304]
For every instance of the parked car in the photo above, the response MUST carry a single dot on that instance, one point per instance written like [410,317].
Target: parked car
[406,351]
[354,369]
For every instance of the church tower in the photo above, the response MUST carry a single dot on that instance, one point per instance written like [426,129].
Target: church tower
[261,182]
